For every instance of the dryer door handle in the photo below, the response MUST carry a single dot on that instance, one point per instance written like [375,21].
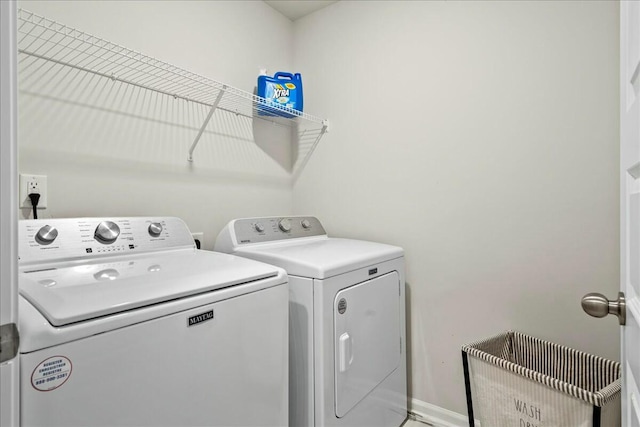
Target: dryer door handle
[345,351]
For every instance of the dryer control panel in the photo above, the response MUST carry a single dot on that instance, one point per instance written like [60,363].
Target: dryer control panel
[269,229]
[46,240]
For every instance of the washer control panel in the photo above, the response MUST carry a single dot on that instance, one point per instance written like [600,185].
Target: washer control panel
[74,238]
[269,229]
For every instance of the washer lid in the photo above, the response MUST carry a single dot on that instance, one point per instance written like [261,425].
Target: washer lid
[322,257]
[77,292]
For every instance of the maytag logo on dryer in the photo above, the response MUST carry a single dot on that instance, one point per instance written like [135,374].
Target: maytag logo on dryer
[199,318]
[342,306]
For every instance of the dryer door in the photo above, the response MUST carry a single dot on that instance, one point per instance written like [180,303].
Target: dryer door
[366,338]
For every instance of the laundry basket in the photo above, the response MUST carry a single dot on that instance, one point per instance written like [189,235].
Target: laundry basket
[515,380]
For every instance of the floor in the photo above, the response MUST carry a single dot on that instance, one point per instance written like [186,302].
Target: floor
[414,423]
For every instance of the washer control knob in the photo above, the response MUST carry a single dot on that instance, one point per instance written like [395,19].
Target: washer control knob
[258,227]
[155,229]
[284,225]
[107,232]
[305,223]
[46,235]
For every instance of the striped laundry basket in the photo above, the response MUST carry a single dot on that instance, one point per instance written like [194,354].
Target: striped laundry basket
[515,380]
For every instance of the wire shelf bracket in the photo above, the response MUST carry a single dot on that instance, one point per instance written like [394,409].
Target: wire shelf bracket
[206,122]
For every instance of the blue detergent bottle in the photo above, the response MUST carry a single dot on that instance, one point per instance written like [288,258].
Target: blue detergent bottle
[283,89]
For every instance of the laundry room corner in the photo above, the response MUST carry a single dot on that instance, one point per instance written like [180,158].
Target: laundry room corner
[482,137]
[113,149]
[478,176]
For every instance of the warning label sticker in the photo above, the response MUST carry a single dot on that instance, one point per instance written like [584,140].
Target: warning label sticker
[51,373]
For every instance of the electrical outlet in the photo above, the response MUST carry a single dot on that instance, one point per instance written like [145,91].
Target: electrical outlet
[199,237]
[33,184]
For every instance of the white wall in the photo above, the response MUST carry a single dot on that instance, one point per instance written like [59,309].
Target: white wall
[101,159]
[483,138]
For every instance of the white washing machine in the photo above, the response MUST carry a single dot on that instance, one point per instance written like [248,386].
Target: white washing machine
[123,322]
[347,320]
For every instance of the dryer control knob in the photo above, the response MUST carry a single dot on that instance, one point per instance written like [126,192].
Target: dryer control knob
[284,225]
[46,235]
[107,232]
[305,223]
[155,229]
[258,227]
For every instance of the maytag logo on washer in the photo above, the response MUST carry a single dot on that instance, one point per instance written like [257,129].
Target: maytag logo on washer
[199,318]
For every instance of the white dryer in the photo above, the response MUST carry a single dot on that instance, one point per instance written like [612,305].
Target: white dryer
[123,322]
[347,320]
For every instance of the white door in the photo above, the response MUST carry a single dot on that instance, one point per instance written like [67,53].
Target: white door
[366,338]
[630,207]
[8,218]
[627,305]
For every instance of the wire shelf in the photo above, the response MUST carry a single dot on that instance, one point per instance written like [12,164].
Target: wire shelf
[45,43]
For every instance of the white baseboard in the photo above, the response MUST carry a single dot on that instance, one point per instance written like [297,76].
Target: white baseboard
[437,416]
